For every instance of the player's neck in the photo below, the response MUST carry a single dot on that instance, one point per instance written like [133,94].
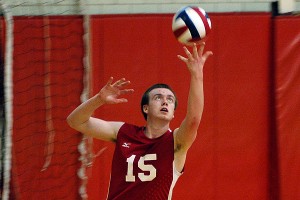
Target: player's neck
[155,130]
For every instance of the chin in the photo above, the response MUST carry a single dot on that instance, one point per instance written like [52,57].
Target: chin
[166,118]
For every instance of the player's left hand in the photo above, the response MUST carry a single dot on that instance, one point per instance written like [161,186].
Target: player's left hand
[195,61]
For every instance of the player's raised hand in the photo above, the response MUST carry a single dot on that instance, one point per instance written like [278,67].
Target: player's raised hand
[110,93]
[196,59]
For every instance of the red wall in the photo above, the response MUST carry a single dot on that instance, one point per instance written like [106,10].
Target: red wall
[232,158]
[287,76]
[229,160]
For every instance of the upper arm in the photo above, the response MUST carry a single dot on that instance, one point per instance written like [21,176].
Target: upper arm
[185,135]
[100,129]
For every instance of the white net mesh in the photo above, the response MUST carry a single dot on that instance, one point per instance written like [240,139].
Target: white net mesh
[46,72]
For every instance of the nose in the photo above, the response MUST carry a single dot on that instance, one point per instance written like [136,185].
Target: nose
[164,101]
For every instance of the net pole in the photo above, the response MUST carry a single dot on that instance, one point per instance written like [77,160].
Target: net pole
[8,96]
[85,145]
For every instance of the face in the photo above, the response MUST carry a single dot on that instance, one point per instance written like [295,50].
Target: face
[161,104]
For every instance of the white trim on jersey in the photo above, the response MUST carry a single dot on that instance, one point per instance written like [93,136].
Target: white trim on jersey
[176,175]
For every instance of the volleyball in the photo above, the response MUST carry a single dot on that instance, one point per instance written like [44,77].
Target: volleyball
[190,25]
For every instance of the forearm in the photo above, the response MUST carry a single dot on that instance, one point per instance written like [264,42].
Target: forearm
[187,132]
[195,100]
[84,111]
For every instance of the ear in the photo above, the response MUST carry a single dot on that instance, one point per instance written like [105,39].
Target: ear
[145,109]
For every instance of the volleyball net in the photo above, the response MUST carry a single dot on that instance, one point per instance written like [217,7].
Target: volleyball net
[45,73]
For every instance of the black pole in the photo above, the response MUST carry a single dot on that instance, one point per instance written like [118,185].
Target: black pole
[274,173]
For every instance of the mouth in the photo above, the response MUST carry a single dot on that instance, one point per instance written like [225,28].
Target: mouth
[164,110]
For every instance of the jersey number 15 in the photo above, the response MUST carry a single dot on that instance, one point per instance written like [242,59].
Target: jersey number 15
[141,164]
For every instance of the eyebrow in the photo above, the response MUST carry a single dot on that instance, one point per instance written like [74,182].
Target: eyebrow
[169,95]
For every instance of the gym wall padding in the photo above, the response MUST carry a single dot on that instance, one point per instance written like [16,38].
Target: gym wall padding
[229,159]
[287,76]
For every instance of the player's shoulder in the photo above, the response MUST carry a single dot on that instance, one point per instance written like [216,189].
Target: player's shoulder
[175,131]
[128,128]
[126,125]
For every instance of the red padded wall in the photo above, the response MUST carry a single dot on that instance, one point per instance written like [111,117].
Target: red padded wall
[229,159]
[287,34]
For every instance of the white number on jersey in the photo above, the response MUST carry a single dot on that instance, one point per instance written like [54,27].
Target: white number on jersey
[141,164]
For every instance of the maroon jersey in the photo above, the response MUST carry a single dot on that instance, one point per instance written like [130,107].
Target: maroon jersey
[142,168]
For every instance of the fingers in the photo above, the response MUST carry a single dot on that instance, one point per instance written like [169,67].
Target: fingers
[206,55]
[201,48]
[195,52]
[126,91]
[190,57]
[121,100]
[182,58]
[188,54]
[119,83]
[110,80]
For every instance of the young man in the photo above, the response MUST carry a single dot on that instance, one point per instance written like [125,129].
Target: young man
[147,160]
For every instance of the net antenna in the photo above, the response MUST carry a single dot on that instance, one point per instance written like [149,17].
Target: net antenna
[8,95]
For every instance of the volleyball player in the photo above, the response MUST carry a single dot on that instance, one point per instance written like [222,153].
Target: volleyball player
[147,160]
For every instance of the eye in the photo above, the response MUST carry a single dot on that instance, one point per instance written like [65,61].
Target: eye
[170,100]
[158,98]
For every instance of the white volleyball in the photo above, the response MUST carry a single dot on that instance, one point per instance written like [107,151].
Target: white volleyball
[191,24]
